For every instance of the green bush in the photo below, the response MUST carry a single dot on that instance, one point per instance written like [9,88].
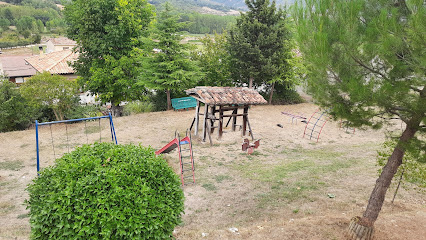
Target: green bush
[81,111]
[283,95]
[106,191]
[138,107]
[15,112]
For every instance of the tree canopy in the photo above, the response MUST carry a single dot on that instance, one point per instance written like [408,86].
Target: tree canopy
[15,112]
[54,91]
[170,68]
[366,62]
[257,44]
[107,33]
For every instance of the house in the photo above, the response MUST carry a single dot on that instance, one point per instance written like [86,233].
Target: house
[16,68]
[59,44]
[55,63]
[60,63]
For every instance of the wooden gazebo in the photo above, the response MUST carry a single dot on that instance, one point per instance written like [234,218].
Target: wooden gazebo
[218,101]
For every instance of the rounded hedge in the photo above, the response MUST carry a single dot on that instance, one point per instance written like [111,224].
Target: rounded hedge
[106,191]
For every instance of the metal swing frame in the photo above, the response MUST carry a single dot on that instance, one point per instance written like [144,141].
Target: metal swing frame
[37,124]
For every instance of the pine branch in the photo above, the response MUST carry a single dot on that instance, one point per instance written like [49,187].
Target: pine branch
[368,68]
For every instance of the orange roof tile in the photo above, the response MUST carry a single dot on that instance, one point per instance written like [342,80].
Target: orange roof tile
[226,95]
[62,41]
[54,62]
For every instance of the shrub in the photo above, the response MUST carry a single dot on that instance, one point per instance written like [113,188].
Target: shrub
[15,112]
[137,107]
[83,111]
[106,191]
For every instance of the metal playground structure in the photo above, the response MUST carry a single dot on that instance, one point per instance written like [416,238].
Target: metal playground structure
[38,124]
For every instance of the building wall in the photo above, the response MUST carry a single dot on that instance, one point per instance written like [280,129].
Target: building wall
[50,47]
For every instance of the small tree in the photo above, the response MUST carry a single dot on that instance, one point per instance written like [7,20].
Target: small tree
[366,62]
[106,191]
[171,68]
[53,91]
[15,112]
[258,44]
[214,61]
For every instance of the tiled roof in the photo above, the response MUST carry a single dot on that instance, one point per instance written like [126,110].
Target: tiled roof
[16,66]
[62,41]
[54,62]
[226,95]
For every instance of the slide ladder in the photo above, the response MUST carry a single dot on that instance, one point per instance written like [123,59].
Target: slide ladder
[186,157]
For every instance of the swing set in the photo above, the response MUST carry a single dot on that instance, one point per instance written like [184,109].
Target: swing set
[37,125]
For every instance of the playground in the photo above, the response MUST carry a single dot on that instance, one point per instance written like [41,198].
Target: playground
[290,187]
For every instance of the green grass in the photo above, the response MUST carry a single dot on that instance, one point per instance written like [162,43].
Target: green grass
[297,177]
[6,207]
[11,165]
[25,215]
[209,186]
[221,178]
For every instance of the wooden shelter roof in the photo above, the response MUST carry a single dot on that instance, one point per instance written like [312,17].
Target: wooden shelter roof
[226,95]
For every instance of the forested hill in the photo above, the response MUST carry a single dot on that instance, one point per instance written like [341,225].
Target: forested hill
[220,5]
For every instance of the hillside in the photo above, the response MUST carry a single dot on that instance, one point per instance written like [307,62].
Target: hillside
[224,6]
[289,188]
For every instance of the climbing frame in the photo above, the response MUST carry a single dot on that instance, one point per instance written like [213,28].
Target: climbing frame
[315,124]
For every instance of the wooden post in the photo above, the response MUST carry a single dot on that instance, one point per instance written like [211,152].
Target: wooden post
[245,113]
[197,117]
[213,110]
[234,119]
[220,132]
[206,112]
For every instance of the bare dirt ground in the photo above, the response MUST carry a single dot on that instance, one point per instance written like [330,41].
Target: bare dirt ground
[289,188]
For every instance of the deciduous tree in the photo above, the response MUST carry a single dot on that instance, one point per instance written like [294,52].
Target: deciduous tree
[367,63]
[107,34]
[55,91]
[214,61]
[15,112]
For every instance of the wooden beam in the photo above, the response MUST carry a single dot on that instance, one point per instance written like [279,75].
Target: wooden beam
[220,132]
[245,120]
[235,115]
[234,120]
[212,117]
[251,132]
[197,117]
[206,111]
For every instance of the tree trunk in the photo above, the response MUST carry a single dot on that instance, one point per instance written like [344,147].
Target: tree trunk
[271,93]
[363,228]
[251,82]
[117,110]
[169,100]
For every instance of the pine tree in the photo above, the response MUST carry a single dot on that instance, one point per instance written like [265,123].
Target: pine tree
[367,63]
[258,44]
[170,68]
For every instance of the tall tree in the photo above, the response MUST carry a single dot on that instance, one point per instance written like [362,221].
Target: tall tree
[107,33]
[169,69]
[258,44]
[367,63]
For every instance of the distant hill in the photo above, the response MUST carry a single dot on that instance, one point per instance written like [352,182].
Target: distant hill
[218,5]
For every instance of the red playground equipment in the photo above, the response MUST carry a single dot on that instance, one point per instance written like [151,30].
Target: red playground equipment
[250,147]
[317,120]
[184,161]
